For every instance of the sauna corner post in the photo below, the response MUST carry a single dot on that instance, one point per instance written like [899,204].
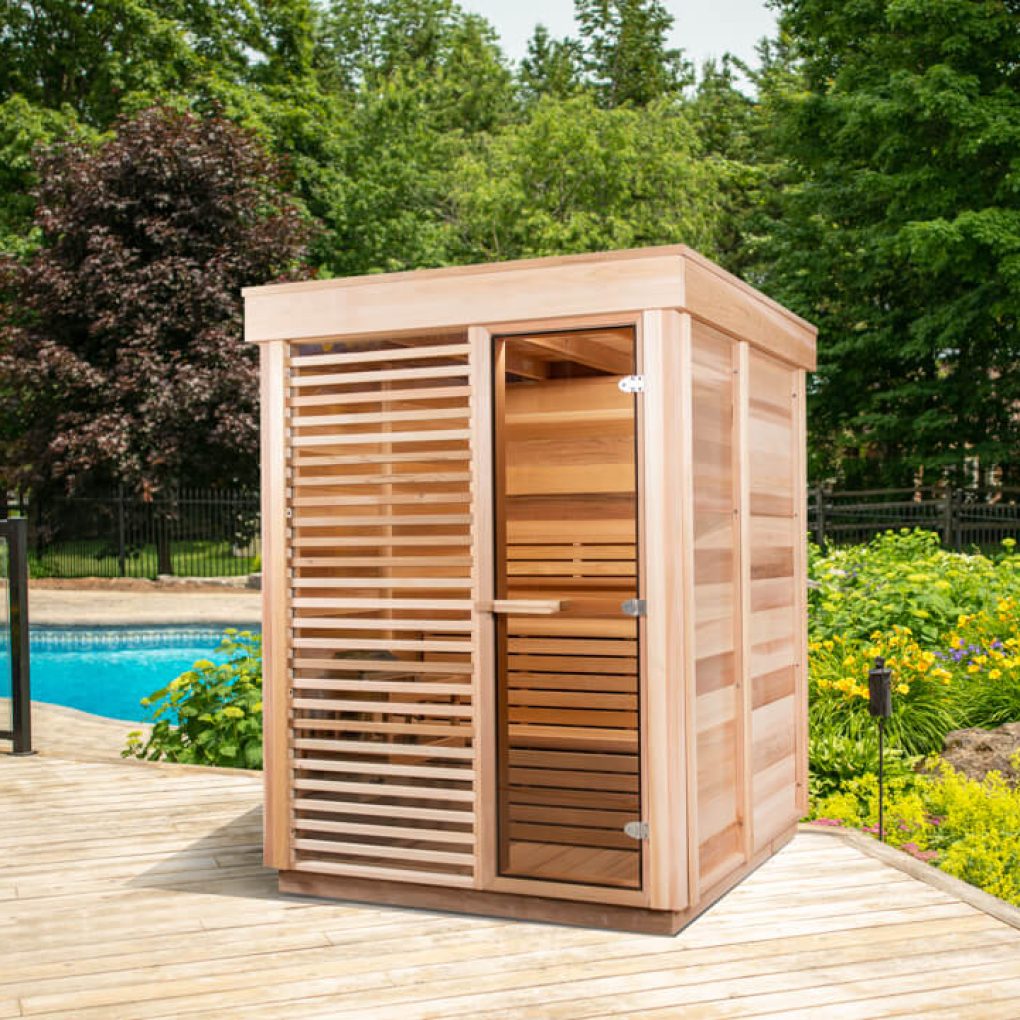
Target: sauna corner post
[275,693]
[665,703]
[483,655]
[800,579]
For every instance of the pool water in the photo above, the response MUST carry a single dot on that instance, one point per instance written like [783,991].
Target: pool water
[108,670]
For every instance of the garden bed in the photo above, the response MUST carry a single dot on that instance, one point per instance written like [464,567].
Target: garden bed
[948,625]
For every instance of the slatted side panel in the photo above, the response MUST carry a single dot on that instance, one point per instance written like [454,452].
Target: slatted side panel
[569,683]
[774,624]
[716,610]
[380,555]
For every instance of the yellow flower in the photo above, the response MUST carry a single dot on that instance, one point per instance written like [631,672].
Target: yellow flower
[973,669]
[902,689]
[994,674]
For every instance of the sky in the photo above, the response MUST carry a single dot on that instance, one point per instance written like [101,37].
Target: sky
[702,28]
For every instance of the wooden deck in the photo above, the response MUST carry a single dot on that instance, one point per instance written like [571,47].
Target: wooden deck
[137,891]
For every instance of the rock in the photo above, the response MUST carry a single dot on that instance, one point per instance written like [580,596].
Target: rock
[976,752]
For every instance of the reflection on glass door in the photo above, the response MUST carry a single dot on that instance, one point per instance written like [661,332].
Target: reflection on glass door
[567,652]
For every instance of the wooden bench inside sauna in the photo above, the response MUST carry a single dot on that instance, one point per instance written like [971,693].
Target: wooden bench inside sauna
[534,585]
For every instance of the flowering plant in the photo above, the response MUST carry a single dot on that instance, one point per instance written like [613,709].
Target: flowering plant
[212,713]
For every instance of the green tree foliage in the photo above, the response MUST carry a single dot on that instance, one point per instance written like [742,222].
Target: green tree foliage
[120,339]
[23,128]
[552,67]
[899,232]
[425,81]
[575,177]
[625,55]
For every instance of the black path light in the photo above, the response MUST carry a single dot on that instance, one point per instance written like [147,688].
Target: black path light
[880,707]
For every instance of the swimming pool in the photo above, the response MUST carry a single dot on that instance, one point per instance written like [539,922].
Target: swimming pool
[108,670]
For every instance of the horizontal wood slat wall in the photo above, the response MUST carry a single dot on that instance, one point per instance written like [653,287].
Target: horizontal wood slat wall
[383,628]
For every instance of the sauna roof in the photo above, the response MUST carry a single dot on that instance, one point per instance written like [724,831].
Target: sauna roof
[504,294]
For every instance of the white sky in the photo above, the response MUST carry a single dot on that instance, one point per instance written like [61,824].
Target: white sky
[702,28]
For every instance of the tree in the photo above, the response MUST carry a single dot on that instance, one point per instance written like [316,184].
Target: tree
[551,67]
[626,59]
[733,135]
[68,68]
[120,338]
[900,231]
[427,82]
[577,178]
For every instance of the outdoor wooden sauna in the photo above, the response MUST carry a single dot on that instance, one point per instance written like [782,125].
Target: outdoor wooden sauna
[534,585]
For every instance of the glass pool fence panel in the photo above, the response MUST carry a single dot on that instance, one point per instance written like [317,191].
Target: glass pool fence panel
[6,677]
[15,703]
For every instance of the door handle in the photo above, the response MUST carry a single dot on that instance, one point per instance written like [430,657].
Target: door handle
[522,607]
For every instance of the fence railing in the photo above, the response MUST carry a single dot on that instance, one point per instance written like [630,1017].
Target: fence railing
[215,533]
[15,697]
[963,518]
[189,533]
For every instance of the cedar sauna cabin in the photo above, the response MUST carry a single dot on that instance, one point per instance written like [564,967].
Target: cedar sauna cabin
[534,585]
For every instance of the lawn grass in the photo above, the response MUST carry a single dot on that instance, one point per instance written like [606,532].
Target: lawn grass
[98,559]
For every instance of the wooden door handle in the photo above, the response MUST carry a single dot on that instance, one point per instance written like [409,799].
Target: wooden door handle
[522,607]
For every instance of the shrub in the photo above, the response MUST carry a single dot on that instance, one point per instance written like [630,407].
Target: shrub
[984,654]
[904,579]
[947,624]
[923,705]
[211,714]
[837,760]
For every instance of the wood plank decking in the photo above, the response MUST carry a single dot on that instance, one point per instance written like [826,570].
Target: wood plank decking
[137,891]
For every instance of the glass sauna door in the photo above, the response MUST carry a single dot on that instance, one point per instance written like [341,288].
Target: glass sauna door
[565,506]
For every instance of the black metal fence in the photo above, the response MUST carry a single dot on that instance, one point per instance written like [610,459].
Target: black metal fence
[963,518]
[215,533]
[15,698]
[190,533]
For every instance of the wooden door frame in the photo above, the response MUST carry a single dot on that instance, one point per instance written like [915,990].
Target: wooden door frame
[486,790]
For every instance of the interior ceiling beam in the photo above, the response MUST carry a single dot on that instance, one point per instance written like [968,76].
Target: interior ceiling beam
[581,348]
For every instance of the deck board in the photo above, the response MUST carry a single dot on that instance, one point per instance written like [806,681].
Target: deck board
[131,891]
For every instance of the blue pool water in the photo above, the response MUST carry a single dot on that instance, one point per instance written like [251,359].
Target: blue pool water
[108,670]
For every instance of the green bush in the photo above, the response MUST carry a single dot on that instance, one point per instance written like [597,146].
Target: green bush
[946,623]
[837,760]
[904,579]
[212,714]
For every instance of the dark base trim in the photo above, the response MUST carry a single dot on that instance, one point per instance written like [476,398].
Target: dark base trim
[515,905]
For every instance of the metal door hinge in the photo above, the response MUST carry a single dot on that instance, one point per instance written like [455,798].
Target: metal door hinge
[634,607]
[632,384]
[636,830]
